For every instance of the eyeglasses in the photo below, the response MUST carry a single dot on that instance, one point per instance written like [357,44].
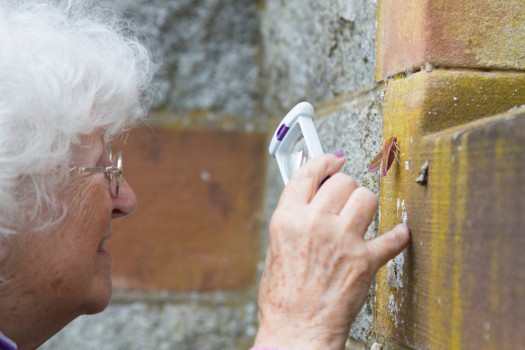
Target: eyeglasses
[112,172]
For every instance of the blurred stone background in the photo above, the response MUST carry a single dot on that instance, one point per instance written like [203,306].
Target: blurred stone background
[187,263]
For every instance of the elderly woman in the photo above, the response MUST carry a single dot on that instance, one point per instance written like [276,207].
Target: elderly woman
[72,81]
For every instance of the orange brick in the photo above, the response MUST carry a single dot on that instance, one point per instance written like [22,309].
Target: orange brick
[196,226]
[486,34]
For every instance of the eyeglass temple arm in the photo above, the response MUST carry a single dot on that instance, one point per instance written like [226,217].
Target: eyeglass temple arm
[80,169]
[110,170]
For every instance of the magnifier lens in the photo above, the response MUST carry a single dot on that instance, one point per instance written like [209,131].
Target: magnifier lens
[297,155]
[295,141]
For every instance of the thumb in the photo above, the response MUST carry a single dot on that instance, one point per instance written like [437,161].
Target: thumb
[389,244]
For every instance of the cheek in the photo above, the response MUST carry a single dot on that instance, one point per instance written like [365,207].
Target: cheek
[88,215]
[63,260]
[88,219]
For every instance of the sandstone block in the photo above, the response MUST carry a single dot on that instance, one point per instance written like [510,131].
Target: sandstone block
[484,34]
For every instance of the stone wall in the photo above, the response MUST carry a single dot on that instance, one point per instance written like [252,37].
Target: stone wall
[323,52]
[228,71]
[454,74]
[205,49]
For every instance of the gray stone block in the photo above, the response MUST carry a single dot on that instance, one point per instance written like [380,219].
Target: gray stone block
[315,50]
[161,326]
[206,51]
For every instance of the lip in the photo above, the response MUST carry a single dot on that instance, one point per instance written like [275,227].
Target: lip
[103,253]
[102,248]
[102,244]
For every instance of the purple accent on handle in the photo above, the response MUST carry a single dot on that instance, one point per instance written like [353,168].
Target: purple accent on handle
[282,132]
[6,343]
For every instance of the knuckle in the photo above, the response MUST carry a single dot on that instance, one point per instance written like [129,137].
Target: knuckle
[314,222]
[306,171]
[300,221]
[361,267]
[367,197]
[344,180]
[361,264]
[375,255]
[349,183]
[315,167]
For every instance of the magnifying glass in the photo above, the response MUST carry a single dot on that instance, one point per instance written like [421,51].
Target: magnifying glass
[295,140]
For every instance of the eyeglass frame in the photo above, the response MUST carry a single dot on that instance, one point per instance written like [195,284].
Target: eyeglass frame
[112,172]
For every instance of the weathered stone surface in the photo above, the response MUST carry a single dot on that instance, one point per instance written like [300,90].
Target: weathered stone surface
[461,286]
[314,50]
[455,288]
[197,222]
[440,99]
[484,34]
[206,50]
[353,124]
[195,324]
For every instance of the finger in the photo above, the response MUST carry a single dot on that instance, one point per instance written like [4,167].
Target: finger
[388,245]
[359,210]
[306,180]
[334,193]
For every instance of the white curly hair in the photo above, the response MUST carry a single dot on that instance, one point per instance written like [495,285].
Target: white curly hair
[66,69]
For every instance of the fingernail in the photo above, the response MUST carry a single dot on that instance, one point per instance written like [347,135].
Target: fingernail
[338,154]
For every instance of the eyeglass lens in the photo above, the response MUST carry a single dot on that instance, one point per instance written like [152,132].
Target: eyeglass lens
[116,176]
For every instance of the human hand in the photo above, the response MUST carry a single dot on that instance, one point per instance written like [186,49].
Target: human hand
[318,266]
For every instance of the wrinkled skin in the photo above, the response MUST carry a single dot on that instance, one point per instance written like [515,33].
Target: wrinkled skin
[54,276]
[318,265]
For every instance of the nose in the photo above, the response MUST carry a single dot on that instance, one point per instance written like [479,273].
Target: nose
[125,203]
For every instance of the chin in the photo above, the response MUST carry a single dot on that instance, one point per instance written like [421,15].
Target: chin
[98,300]
[96,307]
